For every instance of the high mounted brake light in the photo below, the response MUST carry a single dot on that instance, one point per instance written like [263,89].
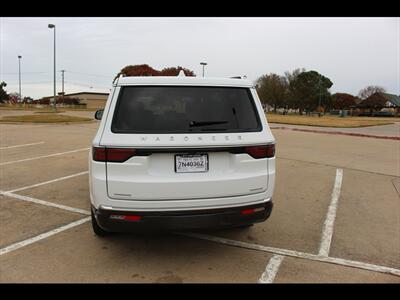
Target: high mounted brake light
[112,154]
[265,151]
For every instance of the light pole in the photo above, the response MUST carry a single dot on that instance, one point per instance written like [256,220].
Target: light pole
[203,64]
[19,74]
[52,26]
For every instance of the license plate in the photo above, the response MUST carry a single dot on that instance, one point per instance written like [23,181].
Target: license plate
[191,163]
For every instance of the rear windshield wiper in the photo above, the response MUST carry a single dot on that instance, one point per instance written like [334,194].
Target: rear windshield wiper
[213,129]
[205,123]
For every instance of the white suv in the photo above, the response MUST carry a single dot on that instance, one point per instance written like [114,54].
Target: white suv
[181,153]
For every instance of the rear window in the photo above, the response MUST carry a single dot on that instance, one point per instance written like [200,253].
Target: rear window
[173,109]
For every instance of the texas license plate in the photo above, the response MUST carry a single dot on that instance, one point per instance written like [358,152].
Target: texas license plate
[191,163]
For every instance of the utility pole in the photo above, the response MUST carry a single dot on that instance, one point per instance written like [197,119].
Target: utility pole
[62,75]
[19,73]
[52,26]
[62,93]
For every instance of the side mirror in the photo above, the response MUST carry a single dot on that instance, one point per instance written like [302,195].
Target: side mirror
[99,114]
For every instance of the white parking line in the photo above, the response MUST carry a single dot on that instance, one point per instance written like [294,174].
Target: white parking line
[285,252]
[272,269]
[23,145]
[42,236]
[327,230]
[51,204]
[47,182]
[44,156]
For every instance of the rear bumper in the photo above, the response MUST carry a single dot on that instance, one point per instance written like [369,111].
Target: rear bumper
[181,220]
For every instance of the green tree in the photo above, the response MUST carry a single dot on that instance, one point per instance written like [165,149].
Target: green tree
[310,89]
[273,90]
[3,94]
[291,77]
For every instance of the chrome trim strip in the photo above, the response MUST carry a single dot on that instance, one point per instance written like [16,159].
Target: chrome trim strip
[191,199]
[186,208]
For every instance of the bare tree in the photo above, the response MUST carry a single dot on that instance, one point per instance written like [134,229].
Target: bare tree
[292,76]
[370,90]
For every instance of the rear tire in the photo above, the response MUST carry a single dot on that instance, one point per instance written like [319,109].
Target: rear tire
[96,228]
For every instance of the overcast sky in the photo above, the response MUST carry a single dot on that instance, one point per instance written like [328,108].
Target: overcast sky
[352,52]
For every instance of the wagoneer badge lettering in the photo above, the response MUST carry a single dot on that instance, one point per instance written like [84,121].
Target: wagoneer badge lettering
[199,138]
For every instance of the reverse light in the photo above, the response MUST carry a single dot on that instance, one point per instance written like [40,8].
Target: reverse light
[112,154]
[264,151]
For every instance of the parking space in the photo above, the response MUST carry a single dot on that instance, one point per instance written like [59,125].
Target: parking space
[368,220]
[307,271]
[20,174]
[77,256]
[15,136]
[68,192]
[358,153]
[302,196]
[21,220]
[360,231]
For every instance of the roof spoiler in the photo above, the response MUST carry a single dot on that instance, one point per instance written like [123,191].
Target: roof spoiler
[117,79]
[181,74]
[239,77]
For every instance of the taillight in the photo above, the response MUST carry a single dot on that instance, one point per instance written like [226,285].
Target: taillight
[126,218]
[247,211]
[99,154]
[119,154]
[112,154]
[265,151]
[251,211]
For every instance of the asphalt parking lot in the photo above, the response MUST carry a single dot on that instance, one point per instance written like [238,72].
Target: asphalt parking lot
[336,217]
